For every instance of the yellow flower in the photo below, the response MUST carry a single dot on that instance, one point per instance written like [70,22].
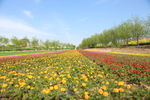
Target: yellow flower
[2,90]
[46,91]
[30,76]
[86,93]
[22,84]
[32,88]
[75,89]
[3,77]
[69,76]
[38,77]
[28,87]
[16,85]
[7,79]
[55,87]
[46,77]
[63,81]
[63,89]
[84,77]
[105,93]
[128,86]
[104,87]
[116,90]
[120,83]
[10,82]
[83,84]
[99,75]
[107,83]
[51,88]
[100,91]
[77,81]
[4,85]
[121,89]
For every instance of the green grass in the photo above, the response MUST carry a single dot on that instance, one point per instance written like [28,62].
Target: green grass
[21,53]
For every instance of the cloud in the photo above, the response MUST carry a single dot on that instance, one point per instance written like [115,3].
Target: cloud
[9,28]
[28,13]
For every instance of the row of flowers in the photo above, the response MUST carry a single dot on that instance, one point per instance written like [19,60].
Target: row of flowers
[133,69]
[68,75]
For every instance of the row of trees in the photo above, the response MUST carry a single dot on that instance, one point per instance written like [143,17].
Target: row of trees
[27,44]
[130,30]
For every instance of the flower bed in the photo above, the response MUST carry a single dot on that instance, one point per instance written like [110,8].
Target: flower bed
[68,75]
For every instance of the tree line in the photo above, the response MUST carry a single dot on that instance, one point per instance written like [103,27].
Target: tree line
[130,30]
[31,44]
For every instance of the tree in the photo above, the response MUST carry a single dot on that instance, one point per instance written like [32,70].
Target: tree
[138,29]
[24,42]
[15,41]
[47,44]
[35,43]
[3,41]
[103,39]
[124,32]
[55,44]
[147,26]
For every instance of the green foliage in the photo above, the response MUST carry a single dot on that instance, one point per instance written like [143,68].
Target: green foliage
[3,41]
[20,53]
[129,30]
[16,44]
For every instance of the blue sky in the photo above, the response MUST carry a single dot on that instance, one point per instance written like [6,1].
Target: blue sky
[68,21]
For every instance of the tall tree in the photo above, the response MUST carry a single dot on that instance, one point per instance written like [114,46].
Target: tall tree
[3,41]
[124,32]
[47,44]
[138,29]
[35,43]
[25,42]
[15,41]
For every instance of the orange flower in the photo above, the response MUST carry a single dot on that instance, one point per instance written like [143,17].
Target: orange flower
[128,86]
[105,93]
[121,89]
[86,96]
[100,91]
[104,87]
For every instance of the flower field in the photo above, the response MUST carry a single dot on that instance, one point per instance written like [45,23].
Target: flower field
[75,75]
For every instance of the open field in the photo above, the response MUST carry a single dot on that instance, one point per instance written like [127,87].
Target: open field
[21,53]
[75,75]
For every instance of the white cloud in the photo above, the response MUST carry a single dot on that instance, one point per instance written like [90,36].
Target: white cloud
[11,28]
[28,13]
[58,30]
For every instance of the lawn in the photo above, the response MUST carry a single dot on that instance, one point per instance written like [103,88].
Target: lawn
[21,53]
